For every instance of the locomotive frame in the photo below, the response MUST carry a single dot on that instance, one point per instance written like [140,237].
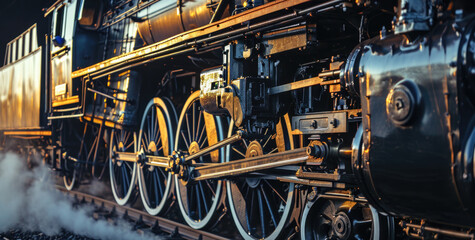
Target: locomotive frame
[289,110]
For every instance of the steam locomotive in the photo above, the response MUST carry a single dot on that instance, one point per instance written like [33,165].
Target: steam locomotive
[323,119]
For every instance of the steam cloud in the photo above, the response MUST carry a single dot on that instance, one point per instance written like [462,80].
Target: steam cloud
[29,201]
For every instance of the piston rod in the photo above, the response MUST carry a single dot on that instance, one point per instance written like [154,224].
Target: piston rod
[248,165]
[162,161]
[230,140]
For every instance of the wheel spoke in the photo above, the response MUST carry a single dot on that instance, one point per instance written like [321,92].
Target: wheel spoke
[240,153]
[273,150]
[203,196]
[267,141]
[261,213]
[159,182]
[128,146]
[251,207]
[155,187]
[149,128]
[188,198]
[210,187]
[276,192]
[146,141]
[153,120]
[184,139]
[124,184]
[204,141]
[157,133]
[126,138]
[194,120]
[269,206]
[198,127]
[198,202]
[126,176]
[203,130]
[128,166]
[188,127]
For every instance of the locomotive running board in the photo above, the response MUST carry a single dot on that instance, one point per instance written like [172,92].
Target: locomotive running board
[190,40]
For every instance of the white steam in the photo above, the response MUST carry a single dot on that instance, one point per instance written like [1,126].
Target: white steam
[30,202]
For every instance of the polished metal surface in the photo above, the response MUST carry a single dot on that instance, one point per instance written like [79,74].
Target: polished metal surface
[117,102]
[167,18]
[416,155]
[20,93]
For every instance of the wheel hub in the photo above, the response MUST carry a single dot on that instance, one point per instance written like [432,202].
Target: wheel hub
[341,225]
[152,147]
[194,148]
[254,149]
[121,146]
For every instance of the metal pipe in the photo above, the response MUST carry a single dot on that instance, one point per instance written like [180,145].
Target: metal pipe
[230,140]
[344,197]
[106,95]
[67,109]
[158,161]
[291,157]
[345,152]
[224,37]
[125,156]
[219,10]
[66,116]
[330,74]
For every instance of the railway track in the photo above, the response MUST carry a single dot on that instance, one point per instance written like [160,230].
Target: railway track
[142,220]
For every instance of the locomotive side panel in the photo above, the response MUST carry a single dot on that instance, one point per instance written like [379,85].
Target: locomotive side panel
[61,51]
[20,84]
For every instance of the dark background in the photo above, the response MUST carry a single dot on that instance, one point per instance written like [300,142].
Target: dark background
[18,15]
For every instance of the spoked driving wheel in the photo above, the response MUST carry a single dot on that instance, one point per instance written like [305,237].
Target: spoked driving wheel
[69,140]
[196,130]
[261,206]
[123,174]
[339,219]
[156,138]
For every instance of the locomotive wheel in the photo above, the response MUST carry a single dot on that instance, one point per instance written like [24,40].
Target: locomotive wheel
[71,174]
[156,138]
[339,219]
[196,130]
[260,206]
[123,174]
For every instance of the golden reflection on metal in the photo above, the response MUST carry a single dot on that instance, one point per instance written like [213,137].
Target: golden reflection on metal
[28,133]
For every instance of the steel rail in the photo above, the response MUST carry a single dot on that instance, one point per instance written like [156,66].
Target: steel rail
[141,217]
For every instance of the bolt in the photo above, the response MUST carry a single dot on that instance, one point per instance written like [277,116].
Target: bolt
[334,122]
[399,104]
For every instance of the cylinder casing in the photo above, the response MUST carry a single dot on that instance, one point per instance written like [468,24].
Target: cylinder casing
[417,122]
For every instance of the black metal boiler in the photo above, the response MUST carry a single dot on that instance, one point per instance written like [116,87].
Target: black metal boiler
[416,144]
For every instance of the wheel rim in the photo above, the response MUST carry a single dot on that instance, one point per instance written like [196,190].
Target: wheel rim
[122,174]
[70,174]
[197,129]
[338,219]
[260,207]
[155,137]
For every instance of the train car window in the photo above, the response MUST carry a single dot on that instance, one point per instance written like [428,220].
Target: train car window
[59,21]
[90,12]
